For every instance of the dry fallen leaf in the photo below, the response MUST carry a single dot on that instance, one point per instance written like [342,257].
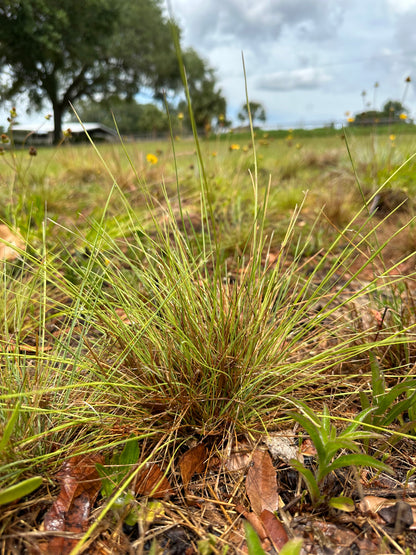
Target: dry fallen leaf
[151,481]
[7,252]
[193,462]
[261,483]
[254,520]
[80,484]
[275,529]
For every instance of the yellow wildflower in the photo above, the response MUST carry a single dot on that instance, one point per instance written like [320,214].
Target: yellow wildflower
[234,146]
[67,133]
[350,120]
[151,158]
[180,115]
[214,153]
[403,116]
[392,137]
[13,113]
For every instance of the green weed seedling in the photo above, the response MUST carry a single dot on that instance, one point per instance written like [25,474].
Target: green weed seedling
[15,491]
[384,401]
[113,475]
[328,444]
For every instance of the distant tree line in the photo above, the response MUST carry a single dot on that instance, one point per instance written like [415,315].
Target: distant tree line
[393,111]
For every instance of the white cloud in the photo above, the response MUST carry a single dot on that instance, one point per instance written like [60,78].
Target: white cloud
[256,22]
[304,78]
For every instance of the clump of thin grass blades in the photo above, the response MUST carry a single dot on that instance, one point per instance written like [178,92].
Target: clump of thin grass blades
[155,333]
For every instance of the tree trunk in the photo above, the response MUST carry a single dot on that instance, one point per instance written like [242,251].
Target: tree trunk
[57,121]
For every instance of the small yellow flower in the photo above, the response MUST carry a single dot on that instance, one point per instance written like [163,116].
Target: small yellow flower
[347,113]
[214,153]
[234,146]
[48,116]
[392,137]
[13,113]
[245,148]
[403,116]
[298,146]
[4,138]
[152,159]
[221,117]
[350,120]
[180,115]
[67,133]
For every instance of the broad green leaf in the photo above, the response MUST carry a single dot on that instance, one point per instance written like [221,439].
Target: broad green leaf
[253,541]
[313,432]
[358,459]
[292,547]
[358,420]
[377,381]
[309,478]
[19,490]
[364,400]
[130,453]
[308,412]
[342,503]
[326,421]
[8,430]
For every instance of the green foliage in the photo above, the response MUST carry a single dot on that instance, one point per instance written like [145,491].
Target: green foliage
[131,117]
[65,52]
[253,541]
[292,547]
[14,492]
[328,443]
[256,110]
[207,100]
[387,404]
[114,473]
[390,113]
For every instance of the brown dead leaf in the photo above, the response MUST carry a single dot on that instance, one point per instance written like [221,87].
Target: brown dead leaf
[373,503]
[80,484]
[151,481]
[254,520]
[261,483]
[275,529]
[7,252]
[308,448]
[193,462]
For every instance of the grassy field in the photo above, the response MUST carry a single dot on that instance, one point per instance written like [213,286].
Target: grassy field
[174,308]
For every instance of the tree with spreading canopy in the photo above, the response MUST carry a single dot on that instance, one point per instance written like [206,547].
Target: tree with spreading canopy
[257,112]
[207,100]
[62,51]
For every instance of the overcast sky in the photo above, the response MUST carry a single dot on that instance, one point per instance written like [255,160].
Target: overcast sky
[307,61]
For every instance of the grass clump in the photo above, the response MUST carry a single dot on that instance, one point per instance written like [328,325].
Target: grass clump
[161,320]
